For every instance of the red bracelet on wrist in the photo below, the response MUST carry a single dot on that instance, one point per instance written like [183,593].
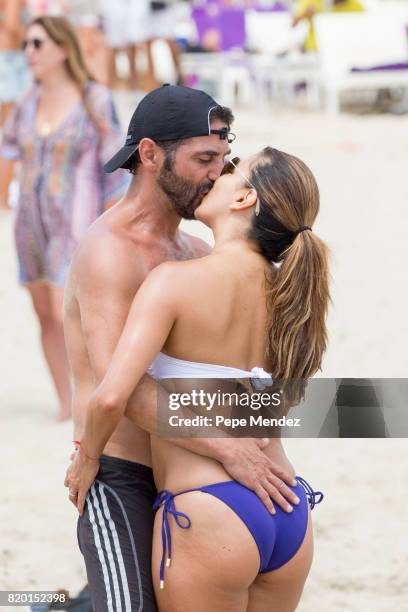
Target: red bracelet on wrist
[78,444]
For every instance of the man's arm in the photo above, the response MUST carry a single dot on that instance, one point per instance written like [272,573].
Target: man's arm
[105,281]
[106,286]
[242,458]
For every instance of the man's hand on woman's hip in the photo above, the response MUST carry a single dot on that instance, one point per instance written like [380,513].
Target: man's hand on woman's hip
[245,462]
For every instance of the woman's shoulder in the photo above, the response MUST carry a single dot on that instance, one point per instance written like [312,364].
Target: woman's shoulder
[179,278]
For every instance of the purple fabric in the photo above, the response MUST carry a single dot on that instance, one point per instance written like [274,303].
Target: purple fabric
[276,8]
[229,22]
[388,67]
[232,26]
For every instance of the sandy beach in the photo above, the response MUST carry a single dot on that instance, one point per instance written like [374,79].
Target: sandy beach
[361,548]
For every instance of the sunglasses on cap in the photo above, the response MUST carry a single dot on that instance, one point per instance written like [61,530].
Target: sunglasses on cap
[225,134]
[37,43]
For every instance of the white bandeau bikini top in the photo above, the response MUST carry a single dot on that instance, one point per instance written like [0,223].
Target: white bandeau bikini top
[165,366]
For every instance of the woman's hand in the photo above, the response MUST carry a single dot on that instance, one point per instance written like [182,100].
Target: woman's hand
[80,477]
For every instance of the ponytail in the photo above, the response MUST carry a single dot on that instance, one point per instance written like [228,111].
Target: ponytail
[297,301]
[297,286]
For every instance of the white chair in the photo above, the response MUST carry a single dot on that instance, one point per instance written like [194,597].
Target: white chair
[207,67]
[268,32]
[236,81]
[359,40]
[279,66]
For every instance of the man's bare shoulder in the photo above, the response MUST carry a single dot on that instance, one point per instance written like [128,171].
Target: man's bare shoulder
[106,256]
[199,247]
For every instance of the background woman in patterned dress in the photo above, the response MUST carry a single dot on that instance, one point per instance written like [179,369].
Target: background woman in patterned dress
[63,130]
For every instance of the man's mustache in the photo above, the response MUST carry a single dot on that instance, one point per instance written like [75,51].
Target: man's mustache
[204,189]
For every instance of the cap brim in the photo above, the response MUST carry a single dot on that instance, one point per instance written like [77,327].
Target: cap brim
[120,158]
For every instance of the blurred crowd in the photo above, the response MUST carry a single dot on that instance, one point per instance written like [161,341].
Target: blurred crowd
[59,61]
[110,31]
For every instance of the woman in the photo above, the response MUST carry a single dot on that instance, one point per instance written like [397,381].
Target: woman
[62,131]
[221,316]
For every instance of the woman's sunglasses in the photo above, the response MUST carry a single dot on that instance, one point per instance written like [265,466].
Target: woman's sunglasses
[37,43]
[229,167]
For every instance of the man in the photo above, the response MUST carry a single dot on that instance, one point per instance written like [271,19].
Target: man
[176,145]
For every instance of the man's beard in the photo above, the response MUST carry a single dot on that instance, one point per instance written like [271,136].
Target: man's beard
[184,195]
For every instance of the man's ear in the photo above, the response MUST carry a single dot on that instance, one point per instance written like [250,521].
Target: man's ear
[150,154]
[243,199]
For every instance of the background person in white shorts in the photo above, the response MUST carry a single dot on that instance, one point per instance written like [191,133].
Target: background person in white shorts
[162,21]
[126,28]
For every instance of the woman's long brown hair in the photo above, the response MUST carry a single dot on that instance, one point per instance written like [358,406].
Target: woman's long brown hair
[298,286]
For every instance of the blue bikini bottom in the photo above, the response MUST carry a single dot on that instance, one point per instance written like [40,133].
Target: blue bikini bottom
[278,536]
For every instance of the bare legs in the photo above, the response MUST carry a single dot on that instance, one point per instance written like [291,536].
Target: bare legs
[114,79]
[47,301]
[6,165]
[6,176]
[5,109]
[216,562]
[131,52]
[94,47]
[281,590]
[112,71]
[175,53]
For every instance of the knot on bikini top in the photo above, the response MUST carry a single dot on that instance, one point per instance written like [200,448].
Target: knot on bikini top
[260,379]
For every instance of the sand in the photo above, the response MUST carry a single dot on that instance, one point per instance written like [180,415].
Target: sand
[361,550]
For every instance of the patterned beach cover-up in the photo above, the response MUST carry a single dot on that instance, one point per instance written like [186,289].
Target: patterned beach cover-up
[63,186]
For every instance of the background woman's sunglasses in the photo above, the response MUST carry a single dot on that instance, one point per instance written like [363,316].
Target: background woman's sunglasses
[37,43]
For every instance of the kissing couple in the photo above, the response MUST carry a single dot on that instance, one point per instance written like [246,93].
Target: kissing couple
[204,524]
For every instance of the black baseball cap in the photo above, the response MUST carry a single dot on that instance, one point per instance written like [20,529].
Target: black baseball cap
[171,112]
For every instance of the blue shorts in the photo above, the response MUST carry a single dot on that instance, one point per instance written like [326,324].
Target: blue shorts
[14,76]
